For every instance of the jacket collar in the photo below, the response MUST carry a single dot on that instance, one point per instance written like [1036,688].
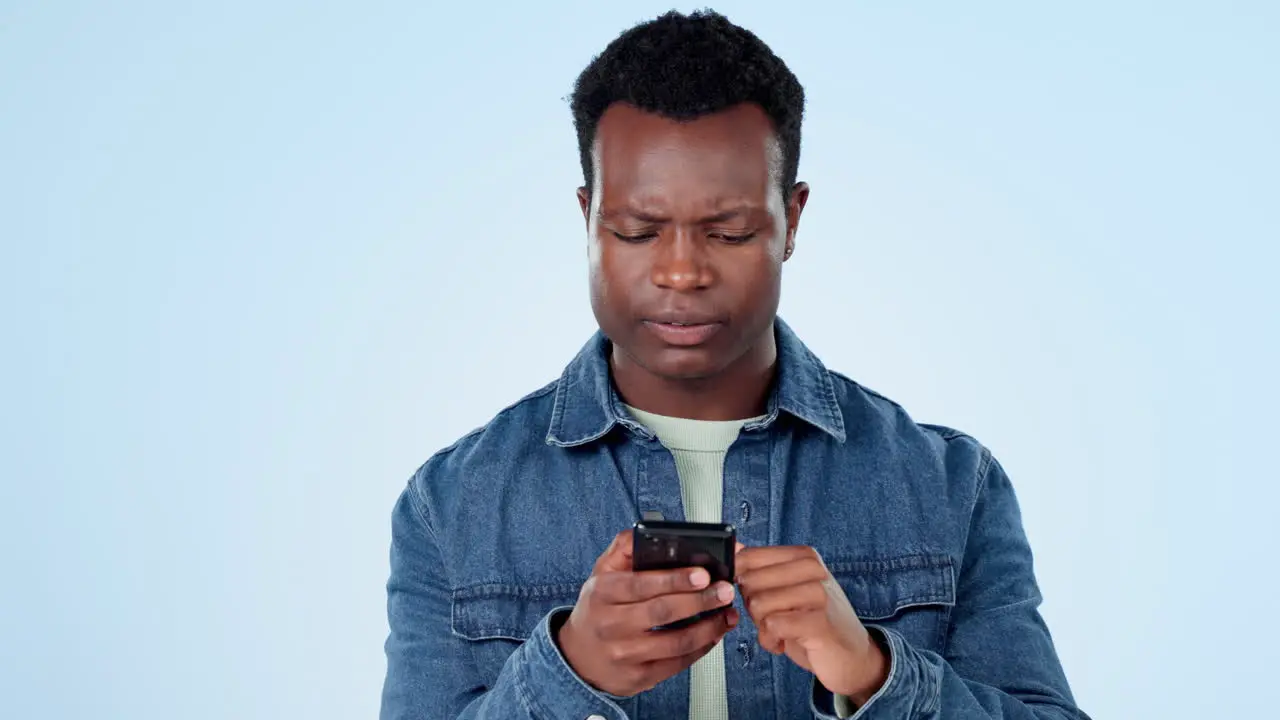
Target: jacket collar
[587,406]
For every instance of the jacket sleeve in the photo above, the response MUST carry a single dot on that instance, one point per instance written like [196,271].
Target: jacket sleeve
[430,672]
[999,661]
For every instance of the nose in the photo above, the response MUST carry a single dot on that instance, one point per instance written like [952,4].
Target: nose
[681,263]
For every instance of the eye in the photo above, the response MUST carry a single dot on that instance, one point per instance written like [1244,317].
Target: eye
[635,238]
[733,239]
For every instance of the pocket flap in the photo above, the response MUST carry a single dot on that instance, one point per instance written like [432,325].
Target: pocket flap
[511,612]
[878,589]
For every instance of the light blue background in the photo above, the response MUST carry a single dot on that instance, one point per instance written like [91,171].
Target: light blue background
[260,260]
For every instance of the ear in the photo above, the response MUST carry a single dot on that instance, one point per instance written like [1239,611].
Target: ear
[795,206]
[584,202]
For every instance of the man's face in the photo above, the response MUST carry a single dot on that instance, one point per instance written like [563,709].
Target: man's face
[687,235]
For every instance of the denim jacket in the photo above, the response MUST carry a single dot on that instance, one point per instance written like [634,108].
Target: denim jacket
[494,536]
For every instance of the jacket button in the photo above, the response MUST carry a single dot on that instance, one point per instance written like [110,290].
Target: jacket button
[595,717]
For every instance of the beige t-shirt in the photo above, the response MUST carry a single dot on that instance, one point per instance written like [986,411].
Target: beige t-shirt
[699,447]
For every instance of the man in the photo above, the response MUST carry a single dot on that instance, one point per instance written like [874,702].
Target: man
[884,570]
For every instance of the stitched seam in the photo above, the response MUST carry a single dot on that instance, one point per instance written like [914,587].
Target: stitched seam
[984,469]
[499,590]
[498,634]
[881,566]
[535,701]
[938,572]
[895,652]
[522,691]
[472,630]
[908,604]
[557,411]
[935,685]
[590,694]
[834,415]
[536,394]
[417,501]
[416,497]
[946,433]
[865,389]
[583,441]
[563,387]
[1034,600]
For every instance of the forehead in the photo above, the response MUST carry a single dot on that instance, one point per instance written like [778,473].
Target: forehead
[732,152]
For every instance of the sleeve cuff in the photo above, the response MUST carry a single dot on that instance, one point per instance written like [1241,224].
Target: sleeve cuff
[912,684]
[548,684]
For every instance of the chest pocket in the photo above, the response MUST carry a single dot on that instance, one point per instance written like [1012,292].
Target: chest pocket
[911,594]
[497,618]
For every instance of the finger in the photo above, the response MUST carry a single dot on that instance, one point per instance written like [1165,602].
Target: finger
[757,557]
[663,669]
[796,572]
[620,588]
[809,596]
[685,644]
[795,625]
[648,584]
[768,641]
[666,609]
[616,557]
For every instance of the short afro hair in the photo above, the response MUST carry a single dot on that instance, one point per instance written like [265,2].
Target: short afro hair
[683,67]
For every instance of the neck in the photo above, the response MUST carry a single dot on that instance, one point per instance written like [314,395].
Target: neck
[738,392]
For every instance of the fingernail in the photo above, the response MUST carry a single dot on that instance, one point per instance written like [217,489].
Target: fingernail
[725,592]
[699,578]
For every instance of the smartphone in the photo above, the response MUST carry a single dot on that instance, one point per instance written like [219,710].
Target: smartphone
[669,545]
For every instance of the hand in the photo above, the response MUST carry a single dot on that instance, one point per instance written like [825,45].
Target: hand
[800,610]
[608,640]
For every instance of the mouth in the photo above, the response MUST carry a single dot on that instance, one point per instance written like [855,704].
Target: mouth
[684,332]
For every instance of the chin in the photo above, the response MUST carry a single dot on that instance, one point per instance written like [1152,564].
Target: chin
[684,364]
[666,361]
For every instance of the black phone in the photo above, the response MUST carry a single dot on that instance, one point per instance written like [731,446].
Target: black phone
[670,545]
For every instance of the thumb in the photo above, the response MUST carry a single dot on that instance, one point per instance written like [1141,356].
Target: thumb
[616,557]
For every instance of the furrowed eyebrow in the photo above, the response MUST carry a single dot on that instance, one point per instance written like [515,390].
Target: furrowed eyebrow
[643,216]
[726,215]
[649,217]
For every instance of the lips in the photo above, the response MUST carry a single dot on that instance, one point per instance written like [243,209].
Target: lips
[683,331]
[683,316]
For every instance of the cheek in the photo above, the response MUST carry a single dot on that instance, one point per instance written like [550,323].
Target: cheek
[758,282]
[619,269]
[757,297]
[611,275]
[595,274]
[601,300]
